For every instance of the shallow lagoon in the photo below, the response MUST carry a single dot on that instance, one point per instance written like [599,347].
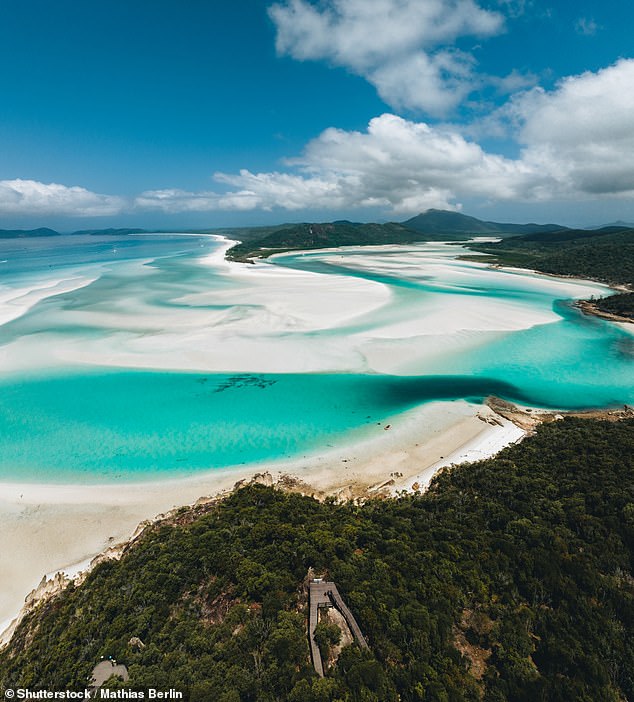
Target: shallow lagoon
[163,362]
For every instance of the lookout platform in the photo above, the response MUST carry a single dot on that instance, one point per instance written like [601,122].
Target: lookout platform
[324,594]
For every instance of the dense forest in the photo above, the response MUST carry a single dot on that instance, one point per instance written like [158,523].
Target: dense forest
[451,223]
[621,305]
[510,579]
[321,236]
[431,225]
[605,254]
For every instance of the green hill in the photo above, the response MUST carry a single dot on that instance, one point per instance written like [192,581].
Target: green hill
[320,236]
[572,235]
[606,254]
[450,223]
[511,579]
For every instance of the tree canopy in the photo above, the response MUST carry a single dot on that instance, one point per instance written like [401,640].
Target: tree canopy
[510,579]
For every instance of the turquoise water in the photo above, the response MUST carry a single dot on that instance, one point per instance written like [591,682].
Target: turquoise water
[76,423]
[101,425]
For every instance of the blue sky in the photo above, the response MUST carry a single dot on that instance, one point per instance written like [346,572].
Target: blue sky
[204,113]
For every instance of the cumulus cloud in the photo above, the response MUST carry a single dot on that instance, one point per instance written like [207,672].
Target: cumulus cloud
[413,165]
[255,191]
[396,164]
[582,132]
[576,142]
[403,47]
[30,197]
[515,8]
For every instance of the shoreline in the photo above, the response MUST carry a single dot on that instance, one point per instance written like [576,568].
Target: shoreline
[50,529]
[588,307]
[82,526]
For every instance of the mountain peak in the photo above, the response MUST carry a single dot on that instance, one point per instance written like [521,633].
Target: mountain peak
[435,221]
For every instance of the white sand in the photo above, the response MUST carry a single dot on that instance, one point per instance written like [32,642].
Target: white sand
[486,444]
[266,318]
[15,301]
[48,528]
[274,320]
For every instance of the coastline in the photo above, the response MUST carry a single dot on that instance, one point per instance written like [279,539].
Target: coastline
[51,529]
[48,529]
[589,308]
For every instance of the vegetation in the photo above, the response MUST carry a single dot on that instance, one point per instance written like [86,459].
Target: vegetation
[602,255]
[451,224]
[605,254]
[430,225]
[511,579]
[620,305]
[326,635]
[320,236]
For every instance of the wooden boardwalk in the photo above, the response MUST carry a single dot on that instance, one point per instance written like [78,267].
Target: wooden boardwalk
[325,594]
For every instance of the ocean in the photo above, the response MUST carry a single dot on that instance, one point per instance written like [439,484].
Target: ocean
[140,357]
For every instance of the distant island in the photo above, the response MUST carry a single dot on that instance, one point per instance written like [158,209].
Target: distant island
[320,236]
[44,231]
[605,254]
[27,233]
[444,222]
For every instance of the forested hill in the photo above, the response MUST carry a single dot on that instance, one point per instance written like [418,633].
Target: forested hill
[606,254]
[24,233]
[321,236]
[444,222]
[511,579]
[432,225]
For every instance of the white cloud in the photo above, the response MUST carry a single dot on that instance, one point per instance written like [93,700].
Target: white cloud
[582,132]
[434,83]
[396,164]
[255,191]
[513,82]
[30,197]
[406,165]
[172,200]
[402,47]
[576,143]
[515,8]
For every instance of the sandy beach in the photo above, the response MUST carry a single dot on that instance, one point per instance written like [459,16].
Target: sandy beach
[50,528]
[264,318]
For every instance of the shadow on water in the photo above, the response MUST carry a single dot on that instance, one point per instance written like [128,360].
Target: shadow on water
[405,392]
[410,391]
